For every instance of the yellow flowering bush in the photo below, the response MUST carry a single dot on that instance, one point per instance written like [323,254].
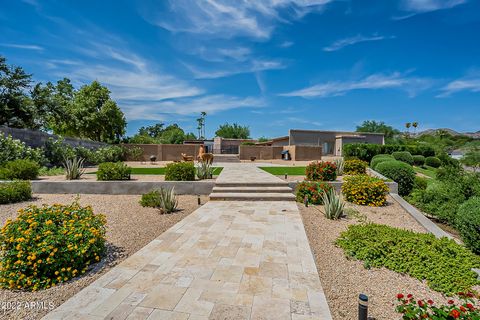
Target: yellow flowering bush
[48,245]
[365,190]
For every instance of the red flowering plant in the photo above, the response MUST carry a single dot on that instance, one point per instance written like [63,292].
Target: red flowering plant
[412,309]
[312,191]
[321,171]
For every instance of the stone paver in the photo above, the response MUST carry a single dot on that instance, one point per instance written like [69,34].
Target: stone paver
[227,260]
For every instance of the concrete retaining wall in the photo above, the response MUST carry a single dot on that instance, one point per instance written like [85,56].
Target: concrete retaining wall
[120,187]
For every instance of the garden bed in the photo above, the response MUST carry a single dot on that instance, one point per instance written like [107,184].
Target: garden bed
[343,279]
[129,228]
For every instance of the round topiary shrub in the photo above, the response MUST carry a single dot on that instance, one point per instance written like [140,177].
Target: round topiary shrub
[418,160]
[365,190]
[400,172]
[180,171]
[403,156]
[19,169]
[113,171]
[433,162]
[355,167]
[15,191]
[47,245]
[468,223]
[312,190]
[377,160]
[321,171]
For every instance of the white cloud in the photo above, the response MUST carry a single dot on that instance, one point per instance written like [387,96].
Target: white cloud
[471,85]
[287,44]
[230,18]
[22,46]
[339,44]
[396,80]
[420,6]
[232,69]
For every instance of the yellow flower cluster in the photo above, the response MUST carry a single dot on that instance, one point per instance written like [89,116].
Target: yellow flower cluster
[365,190]
[47,245]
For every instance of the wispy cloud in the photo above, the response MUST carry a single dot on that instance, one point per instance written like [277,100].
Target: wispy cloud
[287,44]
[470,84]
[396,80]
[227,19]
[22,46]
[342,43]
[420,6]
[230,70]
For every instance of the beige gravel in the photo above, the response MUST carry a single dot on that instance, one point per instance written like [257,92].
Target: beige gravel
[130,227]
[344,279]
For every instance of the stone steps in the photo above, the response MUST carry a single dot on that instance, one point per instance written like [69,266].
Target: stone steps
[246,196]
[226,158]
[251,189]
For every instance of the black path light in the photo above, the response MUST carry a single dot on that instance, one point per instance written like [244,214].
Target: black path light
[362,306]
[305,201]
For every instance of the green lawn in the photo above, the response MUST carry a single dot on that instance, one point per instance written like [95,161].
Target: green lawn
[161,171]
[428,171]
[280,171]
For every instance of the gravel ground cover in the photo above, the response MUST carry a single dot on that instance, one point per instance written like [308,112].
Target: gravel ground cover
[130,227]
[343,279]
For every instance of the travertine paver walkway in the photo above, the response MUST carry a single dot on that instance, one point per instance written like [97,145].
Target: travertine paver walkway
[227,260]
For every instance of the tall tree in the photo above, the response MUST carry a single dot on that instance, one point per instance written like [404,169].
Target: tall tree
[380,127]
[233,131]
[154,131]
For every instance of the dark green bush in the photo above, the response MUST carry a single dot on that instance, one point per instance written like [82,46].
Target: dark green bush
[400,172]
[19,169]
[418,160]
[56,151]
[433,162]
[420,183]
[355,167]
[376,160]
[366,151]
[312,190]
[113,171]
[15,191]
[321,171]
[403,156]
[180,171]
[444,264]
[468,223]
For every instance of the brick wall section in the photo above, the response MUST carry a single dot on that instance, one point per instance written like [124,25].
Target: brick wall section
[165,152]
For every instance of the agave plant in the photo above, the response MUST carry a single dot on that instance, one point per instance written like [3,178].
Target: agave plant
[204,170]
[168,200]
[74,168]
[333,204]
[339,163]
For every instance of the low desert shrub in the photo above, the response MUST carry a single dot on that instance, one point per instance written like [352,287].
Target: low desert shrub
[134,153]
[47,245]
[312,190]
[376,160]
[333,204]
[444,264]
[355,167]
[19,169]
[15,191]
[400,172]
[420,183]
[163,199]
[13,149]
[56,151]
[365,190]
[180,171]
[433,162]
[113,171]
[468,223]
[74,168]
[403,156]
[110,154]
[418,160]
[321,171]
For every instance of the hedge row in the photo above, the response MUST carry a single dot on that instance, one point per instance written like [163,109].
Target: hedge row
[366,151]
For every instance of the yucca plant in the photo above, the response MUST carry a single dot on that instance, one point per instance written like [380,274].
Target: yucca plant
[74,168]
[168,200]
[340,164]
[204,170]
[333,204]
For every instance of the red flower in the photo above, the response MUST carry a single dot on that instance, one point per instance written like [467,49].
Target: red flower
[451,302]
[430,301]
[409,296]
[462,308]
[470,295]
[461,294]
[420,303]
[470,306]
[455,313]
[400,296]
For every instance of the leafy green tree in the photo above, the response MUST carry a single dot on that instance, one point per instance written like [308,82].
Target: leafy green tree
[233,131]
[472,159]
[263,139]
[380,127]
[154,131]
[16,109]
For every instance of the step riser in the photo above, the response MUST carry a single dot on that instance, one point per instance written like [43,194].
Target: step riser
[213,198]
[223,190]
[250,184]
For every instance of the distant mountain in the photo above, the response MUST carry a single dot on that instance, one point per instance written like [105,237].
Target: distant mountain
[474,135]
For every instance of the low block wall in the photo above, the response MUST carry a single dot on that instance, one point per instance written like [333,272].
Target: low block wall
[165,152]
[260,152]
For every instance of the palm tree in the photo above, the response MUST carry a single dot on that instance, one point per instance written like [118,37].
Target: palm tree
[415,125]
[408,125]
[203,114]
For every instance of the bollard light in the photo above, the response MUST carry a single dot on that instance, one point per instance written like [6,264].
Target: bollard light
[198,200]
[286,176]
[362,307]
[305,201]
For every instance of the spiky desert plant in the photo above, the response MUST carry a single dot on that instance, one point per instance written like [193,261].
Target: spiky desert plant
[168,200]
[74,168]
[333,204]
[339,163]
[204,170]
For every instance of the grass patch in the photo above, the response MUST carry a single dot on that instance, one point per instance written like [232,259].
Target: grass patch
[428,171]
[444,264]
[160,171]
[280,171]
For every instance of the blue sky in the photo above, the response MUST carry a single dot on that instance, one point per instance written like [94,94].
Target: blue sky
[270,64]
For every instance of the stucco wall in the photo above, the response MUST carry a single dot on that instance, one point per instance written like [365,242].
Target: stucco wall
[165,152]
[260,152]
[303,153]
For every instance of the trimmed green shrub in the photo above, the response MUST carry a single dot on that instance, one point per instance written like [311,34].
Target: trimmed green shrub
[365,190]
[433,162]
[383,155]
[312,190]
[15,191]
[444,264]
[321,171]
[19,169]
[163,199]
[376,160]
[420,183]
[180,171]
[403,156]
[355,167]
[400,172]
[47,245]
[366,151]
[113,171]
[468,223]
[418,160]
